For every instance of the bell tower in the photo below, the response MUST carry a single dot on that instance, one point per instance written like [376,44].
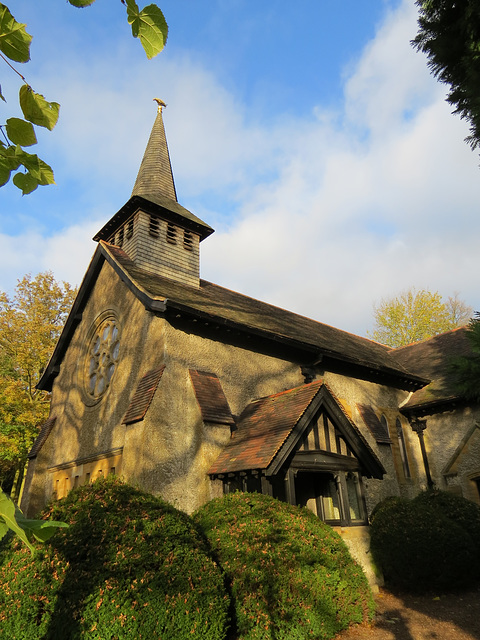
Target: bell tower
[156,232]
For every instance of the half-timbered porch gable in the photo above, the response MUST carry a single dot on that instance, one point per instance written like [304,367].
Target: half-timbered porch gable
[303,427]
[301,446]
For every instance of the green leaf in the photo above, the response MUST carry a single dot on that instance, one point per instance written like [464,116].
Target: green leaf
[81,3]
[38,171]
[12,518]
[25,182]
[14,40]
[149,25]
[7,518]
[36,109]
[4,176]
[1,94]
[21,132]
[41,530]
[8,163]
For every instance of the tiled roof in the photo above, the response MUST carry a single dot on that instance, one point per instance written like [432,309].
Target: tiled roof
[430,359]
[42,437]
[211,398]
[263,427]
[143,396]
[377,429]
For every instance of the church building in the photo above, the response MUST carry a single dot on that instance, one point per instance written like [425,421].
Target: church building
[191,390]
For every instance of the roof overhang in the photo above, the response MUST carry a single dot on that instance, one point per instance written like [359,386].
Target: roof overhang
[157,205]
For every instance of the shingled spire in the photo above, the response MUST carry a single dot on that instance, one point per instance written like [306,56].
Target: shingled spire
[155,177]
[152,228]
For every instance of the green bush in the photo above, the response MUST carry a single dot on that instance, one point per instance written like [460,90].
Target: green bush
[291,576]
[462,511]
[129,566]
[426,544]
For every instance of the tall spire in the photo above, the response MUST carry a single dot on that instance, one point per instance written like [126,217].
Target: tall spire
[155,177]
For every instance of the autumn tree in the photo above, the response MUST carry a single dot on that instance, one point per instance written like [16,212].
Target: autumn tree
[30,324]
[416,315]
[466,369]
[29,170]
[449,33]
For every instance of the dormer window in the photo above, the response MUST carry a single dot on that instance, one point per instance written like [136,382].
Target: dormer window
[154,227]
[171,233]
[187,241]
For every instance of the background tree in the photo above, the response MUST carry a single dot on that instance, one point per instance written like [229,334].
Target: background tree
[467,368]
[416,315]
[30,324]
[148,25]
[449,33]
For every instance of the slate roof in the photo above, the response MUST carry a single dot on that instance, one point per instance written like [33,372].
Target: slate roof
[42,437]
[154,191]
[377,429]
[430,359]
[263,427]
[211,398]
[224,307]
[155,175]
[143,396]
[216,303]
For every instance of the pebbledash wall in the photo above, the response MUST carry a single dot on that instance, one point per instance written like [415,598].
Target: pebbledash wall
[169,451]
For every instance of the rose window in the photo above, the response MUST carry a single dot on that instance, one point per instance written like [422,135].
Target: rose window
[102,358]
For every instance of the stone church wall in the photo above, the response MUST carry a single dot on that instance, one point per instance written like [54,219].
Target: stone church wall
[171,449]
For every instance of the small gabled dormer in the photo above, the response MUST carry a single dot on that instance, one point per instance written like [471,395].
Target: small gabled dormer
[156,232]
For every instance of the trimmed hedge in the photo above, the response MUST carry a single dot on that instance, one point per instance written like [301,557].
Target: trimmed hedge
[129,566]
[291,576]
[429,543]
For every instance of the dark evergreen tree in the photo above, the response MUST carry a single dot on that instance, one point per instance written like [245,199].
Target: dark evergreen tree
[467,368]
[449,33]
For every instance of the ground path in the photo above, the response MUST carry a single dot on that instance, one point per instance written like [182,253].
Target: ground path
[410,617]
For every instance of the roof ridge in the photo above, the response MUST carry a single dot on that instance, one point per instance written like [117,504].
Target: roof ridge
[419,342]
[285,391]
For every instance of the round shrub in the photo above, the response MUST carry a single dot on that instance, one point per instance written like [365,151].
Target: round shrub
[419,548]
[129,566]
[457,508]
[291,576]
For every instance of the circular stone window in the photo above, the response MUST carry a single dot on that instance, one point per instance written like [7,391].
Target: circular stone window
[102,358]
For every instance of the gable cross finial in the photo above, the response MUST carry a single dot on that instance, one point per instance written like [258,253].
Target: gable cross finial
[160,104]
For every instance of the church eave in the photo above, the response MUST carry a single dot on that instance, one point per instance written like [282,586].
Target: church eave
[440,405]
[74,317]
[308,353]
[160,206]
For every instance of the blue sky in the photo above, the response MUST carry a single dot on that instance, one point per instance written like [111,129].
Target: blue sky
[310,135]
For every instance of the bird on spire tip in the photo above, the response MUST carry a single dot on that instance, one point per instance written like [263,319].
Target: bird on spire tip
[160,104]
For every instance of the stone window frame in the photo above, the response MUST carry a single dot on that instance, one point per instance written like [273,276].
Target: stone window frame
[85,362]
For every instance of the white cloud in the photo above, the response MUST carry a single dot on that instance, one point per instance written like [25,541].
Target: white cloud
[66,253]
[389,202]
[326,214]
